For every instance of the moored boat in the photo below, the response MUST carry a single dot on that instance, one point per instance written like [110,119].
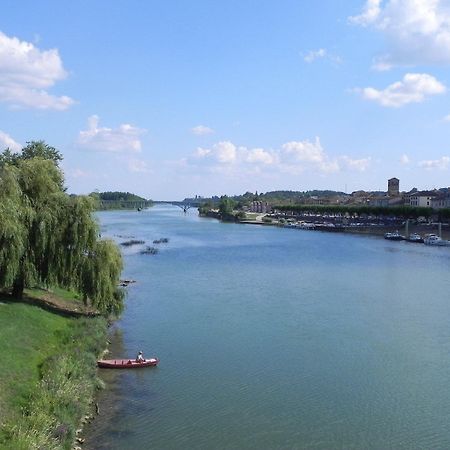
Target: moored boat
[395,236]
[415,237]
[432,239]
[126,363]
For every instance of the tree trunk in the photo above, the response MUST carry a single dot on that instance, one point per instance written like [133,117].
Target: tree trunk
[17,291]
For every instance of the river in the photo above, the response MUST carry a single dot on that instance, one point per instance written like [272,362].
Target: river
[273,338]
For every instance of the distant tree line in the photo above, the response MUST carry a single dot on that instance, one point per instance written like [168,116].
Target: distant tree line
[274,197]
[120,196]
[119,200]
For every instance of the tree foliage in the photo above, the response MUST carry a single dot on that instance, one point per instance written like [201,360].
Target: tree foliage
[50,238]
[33,149]
[399,211]
[226,206]
[120,196]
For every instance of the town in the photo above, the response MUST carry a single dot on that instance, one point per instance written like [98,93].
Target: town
[419,214]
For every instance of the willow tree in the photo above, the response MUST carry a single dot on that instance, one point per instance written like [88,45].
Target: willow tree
[49,238]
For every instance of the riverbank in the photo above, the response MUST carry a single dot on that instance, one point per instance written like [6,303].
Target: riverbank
[47,370]
[324,225]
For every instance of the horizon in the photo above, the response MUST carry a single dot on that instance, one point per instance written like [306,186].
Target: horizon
[176,100]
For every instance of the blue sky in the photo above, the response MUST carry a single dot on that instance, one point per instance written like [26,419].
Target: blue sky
[173,99]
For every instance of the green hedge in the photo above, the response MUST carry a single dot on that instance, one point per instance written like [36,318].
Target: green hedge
[407,212]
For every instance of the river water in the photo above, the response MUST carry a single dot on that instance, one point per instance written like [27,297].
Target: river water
[274,338]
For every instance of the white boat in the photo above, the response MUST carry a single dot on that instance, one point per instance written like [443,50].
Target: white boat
[415,237]
[432,239]
[395,236]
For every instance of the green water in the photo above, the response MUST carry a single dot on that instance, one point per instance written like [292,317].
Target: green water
[276,338]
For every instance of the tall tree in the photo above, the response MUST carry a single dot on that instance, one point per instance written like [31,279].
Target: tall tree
[39,149]
[226,205]
[50,238]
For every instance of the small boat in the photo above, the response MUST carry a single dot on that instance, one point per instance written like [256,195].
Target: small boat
[415,237]
[395,236]
[432,239]
[126,363]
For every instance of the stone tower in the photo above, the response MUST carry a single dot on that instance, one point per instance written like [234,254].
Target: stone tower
[394,187]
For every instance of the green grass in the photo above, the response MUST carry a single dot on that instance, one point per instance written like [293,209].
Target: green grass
[29,335]
[47,375]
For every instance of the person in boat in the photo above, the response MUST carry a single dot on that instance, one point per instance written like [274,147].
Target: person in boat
[140,357]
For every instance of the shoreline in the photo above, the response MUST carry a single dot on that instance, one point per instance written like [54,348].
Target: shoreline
[374,230]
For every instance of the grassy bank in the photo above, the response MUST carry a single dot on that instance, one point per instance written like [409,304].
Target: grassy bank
[47,375]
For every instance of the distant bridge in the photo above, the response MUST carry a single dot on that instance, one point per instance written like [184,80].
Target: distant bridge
[184,205]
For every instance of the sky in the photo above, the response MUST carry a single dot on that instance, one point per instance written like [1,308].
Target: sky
[175,99]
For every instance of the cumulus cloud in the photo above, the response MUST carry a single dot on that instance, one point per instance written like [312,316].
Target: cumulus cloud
[305,151]
[201,130]
[417,31]
[124,138]
[292,157]
[224,152]
[6,141]
[431,164]
[446,118]
[414,88]
[369,15]
[259,155]
[26,74]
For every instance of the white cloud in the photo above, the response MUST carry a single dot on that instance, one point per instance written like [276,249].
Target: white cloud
[321,53]
[293,157]
[298,156]
[359,165]
[202,152]
[417,31]
[6,141]
[26,73]
[259,155]
[201,130]
[404,159]
[430,164]
[369,15]
[124,138]
[414,88]
[224,152]
[312,55]
[304,151]
[446,118]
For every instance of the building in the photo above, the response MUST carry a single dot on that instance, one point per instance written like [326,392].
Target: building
[422,199]
[393,187]
[259,207]
[441,200]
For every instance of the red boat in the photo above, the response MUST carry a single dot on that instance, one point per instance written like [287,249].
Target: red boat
[126,363]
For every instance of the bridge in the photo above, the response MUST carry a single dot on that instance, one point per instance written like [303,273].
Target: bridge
[184,205]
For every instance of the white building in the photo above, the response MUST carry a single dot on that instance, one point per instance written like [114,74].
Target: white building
[422,198]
